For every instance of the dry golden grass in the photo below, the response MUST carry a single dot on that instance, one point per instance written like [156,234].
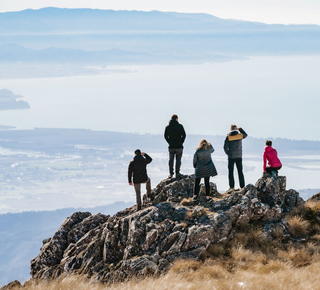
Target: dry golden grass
[253,239]
[316,238]
[299,258]
[298,227]
[315,205]
[183,266]
[188,215]
[187,201]
[184,224]
[278,233]
[299,211]
[217,250]
[194,276]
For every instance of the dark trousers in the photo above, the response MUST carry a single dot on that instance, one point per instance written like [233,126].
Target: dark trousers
[270,169]
[238,162]
[137,188]
[196,188]
[175,153]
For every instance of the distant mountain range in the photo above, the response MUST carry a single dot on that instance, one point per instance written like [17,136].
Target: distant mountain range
[18,53]
[68,21]
[106,36]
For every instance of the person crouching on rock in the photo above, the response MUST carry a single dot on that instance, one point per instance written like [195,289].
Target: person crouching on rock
[204,168]
[138,170]
[274,162]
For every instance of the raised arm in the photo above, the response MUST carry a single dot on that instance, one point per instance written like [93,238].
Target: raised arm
[148,158]
[245,135]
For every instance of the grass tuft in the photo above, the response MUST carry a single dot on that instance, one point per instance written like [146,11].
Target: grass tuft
[298,227]
[185,266]
[186,201]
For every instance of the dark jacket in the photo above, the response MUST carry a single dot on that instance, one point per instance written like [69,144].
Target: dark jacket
[138,168]
[175,134]
[203,163]
[233,143]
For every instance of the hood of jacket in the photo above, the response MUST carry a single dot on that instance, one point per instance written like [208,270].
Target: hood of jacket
[268,148]
[138,157]
[233,133]
[173,123]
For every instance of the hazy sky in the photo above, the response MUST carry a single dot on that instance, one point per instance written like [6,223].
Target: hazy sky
[268,11]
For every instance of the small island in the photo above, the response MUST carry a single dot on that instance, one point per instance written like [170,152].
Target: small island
[8,101]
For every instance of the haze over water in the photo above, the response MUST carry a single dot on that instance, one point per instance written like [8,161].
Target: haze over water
[268,96]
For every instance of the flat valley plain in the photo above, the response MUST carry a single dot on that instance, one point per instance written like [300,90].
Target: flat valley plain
[49,169]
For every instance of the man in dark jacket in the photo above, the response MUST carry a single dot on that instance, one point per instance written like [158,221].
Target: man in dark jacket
[233,148]
[138,170]
[175,136]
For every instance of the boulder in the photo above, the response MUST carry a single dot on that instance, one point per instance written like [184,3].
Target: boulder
[272,190]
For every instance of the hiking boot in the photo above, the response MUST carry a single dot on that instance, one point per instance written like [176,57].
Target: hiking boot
[170,175]
[267,175]
[195,199]
[178,175]
[151,197]
[209,200]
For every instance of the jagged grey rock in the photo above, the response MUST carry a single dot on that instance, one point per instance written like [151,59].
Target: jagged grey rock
[146,242]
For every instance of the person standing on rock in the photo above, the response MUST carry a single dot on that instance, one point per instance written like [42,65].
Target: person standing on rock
[175,135]
[138,171]
[233,148]
[274,162]
[204,168]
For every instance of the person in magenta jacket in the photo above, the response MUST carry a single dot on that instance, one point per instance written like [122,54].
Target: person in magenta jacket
[271,155]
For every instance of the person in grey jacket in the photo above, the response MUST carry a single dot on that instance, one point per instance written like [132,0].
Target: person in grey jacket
[233,148]
[204,167]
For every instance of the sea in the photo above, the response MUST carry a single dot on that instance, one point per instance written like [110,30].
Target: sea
[275,96]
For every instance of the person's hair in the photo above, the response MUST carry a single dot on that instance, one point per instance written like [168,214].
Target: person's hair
[174,117]
[137,152]
[204,144]
[269,143]
[233,127]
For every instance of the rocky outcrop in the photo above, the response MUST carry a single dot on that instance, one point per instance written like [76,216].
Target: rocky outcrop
[134,243]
